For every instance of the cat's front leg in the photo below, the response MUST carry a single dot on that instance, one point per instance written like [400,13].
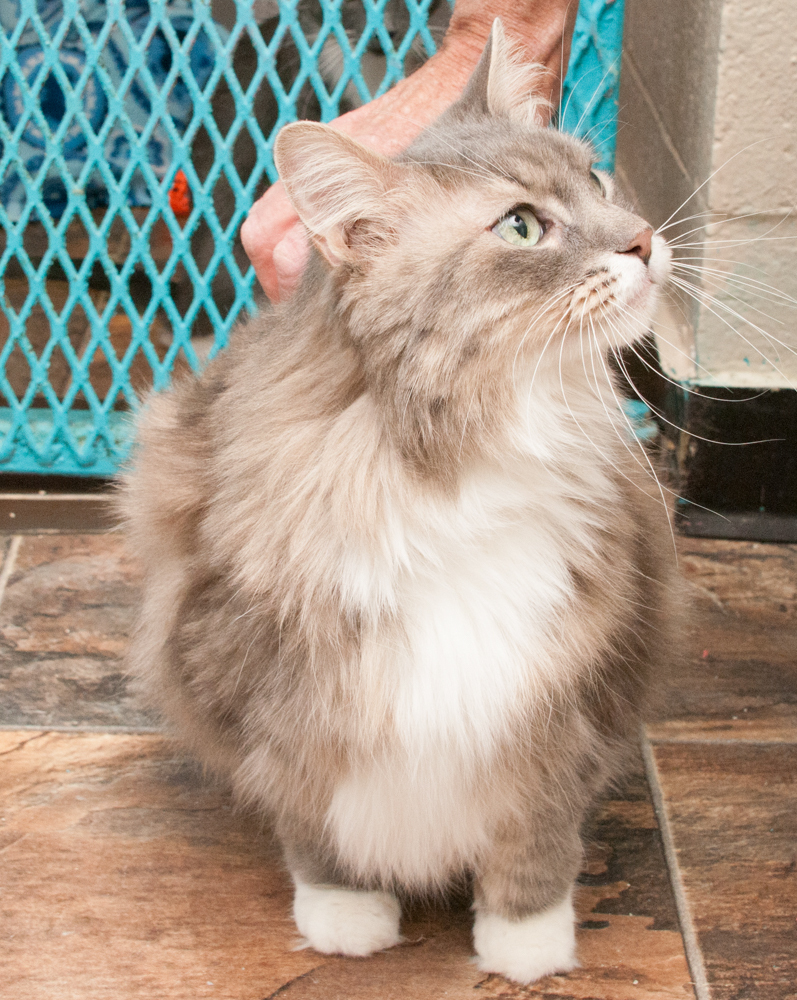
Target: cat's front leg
[334,917]
[337,920]
[525,922]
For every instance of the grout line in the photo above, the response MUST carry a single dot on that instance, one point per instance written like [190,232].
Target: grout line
[8,564]
[694,955]
[707,741]
[24,727]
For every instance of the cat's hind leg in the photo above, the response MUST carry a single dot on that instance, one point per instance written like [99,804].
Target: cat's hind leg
[342,921]
[525,922]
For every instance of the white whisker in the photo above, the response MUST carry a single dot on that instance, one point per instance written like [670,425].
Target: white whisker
[706,181]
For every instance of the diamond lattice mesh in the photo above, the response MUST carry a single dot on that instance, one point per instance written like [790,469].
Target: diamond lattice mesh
[134,136]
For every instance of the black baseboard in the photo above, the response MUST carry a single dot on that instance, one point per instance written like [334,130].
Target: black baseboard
[755,527]
[31,504]
[733,452]
[737,463]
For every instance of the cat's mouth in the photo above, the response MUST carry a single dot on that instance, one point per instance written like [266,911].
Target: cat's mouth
[615,299]
[638,295]
[621,283]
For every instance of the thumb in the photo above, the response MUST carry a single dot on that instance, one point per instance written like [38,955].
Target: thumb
[269,219]
[289,260]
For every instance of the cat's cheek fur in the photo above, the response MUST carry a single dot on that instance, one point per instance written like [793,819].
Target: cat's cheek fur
[660,258]
[526,950]
[338,921]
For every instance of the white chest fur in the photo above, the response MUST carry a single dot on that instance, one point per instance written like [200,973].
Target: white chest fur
[479,592]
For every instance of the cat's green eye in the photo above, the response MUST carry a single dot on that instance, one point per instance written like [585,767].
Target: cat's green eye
[519,227]
[597,182]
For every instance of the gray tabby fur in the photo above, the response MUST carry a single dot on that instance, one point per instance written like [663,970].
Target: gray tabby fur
[406,573]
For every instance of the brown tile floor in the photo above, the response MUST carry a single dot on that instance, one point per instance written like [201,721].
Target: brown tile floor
[127,874]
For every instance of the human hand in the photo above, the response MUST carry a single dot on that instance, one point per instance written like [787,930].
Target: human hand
[272,235]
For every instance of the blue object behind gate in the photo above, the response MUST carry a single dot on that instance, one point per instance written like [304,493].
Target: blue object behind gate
[101,103]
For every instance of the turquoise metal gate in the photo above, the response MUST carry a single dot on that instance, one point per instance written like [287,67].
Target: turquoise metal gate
[134,136]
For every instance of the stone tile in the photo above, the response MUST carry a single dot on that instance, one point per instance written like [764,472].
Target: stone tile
[738,677]
[127,875]
[65,618]
[629,941]
[754,580]
[733,816]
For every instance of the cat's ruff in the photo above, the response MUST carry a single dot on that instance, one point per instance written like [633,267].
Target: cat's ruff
[422,809]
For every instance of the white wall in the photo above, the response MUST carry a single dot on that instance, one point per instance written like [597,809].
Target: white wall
[711,88]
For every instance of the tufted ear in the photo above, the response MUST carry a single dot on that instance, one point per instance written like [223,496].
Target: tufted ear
[337,187]
[504,84]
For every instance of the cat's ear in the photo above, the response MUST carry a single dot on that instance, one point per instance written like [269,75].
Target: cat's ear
[506,85]
[337,187]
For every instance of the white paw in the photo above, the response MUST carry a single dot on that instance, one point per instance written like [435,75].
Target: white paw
[345,921]
[526,950]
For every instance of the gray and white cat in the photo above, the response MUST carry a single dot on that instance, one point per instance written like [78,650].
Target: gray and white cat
[406,575]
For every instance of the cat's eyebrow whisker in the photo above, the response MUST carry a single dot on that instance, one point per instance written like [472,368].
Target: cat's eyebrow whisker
[562,55]
[599,126]
[705,298]
[491,167]
[563,114]
[598,90]
[712,174]
[482,174]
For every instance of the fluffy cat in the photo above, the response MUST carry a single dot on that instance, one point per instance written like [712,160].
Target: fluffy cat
[405,575]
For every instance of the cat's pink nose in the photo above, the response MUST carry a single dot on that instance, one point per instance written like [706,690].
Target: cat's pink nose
[641,244]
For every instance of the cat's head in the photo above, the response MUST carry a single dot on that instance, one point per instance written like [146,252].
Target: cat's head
[490,242]
[487,211]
